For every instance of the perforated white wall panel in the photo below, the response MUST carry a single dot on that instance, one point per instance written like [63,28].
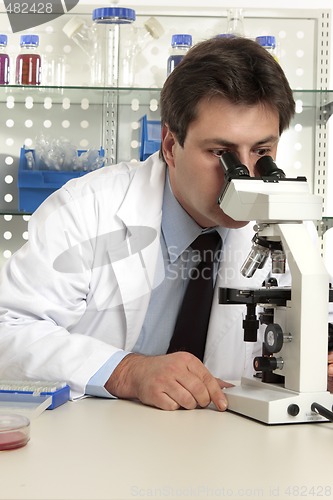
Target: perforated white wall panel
[92,118]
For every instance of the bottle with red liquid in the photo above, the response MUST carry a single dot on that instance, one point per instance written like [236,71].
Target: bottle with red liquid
[4,61]
[28,62]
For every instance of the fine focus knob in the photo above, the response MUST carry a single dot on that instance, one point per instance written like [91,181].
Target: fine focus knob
[267,364]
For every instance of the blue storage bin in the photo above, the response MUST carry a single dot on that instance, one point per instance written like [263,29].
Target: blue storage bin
[150,137]
[34,186]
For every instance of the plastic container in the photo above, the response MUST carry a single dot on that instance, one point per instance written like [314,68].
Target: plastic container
[111,66]
[14,431]
[77,29]
[28,62]
[269,43]
[235,22]
[83,36]
[135,41]
[34,186]
[180,45]
[150,137]
[4,61]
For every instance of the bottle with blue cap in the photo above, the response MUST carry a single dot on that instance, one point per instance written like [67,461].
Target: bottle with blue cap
[28,62]
[137,38]
[180,45]
[110,25]
[4,61]
[269,43]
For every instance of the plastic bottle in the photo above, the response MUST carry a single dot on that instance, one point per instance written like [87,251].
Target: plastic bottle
[77,29]
[4,61]
[269,43]
[84,37]
[135,41]
[180,45]
[28,62]
[235,22]
[109,24]
[151,30]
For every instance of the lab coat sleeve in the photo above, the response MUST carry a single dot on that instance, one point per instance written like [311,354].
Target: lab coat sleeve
[40,306]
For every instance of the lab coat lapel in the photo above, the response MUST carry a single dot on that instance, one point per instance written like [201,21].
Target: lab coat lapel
[136,274]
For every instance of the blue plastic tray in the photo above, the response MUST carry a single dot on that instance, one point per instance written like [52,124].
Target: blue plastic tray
[34,186]
[150,137]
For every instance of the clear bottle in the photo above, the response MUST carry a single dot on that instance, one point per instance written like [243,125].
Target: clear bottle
[269,43]
[83,36]
[4,61]
[77,30]
[109,25]
[235,22]
[180,45]
[135,41]
[28,62]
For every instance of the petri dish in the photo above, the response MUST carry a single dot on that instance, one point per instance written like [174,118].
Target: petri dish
[14,431]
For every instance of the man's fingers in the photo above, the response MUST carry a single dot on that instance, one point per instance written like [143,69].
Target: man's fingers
[223,384]
[183,395]
[218,397]
[212,385]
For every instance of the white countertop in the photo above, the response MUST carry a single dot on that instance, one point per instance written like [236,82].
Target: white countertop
[109,449]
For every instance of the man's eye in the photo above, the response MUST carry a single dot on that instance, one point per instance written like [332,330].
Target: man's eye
[263,151]
[219,152]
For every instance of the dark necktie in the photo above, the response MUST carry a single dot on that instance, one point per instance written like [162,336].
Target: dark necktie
[193,318]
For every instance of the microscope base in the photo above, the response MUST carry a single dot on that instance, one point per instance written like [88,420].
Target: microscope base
[273,404]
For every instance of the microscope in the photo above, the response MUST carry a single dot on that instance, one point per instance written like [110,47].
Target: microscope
[290,380]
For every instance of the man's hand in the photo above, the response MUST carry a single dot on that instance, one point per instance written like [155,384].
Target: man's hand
[169,382]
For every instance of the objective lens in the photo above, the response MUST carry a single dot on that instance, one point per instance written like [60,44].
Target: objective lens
[255,260]
[278,262]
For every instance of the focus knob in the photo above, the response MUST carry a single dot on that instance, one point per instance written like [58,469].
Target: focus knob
[267,363]
[273,338]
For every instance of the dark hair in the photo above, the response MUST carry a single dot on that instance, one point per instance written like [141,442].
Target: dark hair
[237,69]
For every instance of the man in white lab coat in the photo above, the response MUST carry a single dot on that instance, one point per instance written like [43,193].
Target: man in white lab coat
[92,298]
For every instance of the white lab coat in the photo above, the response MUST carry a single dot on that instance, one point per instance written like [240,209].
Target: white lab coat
[79,289]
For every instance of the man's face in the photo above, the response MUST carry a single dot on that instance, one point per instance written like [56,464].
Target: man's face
[196,174]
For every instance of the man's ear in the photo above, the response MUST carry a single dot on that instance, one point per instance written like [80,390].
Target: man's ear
[168,142]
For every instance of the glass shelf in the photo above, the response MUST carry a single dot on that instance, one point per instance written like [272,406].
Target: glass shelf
[95,95]
[307,97]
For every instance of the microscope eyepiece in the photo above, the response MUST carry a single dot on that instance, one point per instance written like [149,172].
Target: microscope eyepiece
[267,168]
[232,167]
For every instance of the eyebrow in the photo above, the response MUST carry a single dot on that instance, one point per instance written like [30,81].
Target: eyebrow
[224,142]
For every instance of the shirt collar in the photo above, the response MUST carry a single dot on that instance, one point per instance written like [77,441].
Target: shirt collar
[178,228]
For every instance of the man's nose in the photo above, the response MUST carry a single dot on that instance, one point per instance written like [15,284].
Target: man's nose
[249,162]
